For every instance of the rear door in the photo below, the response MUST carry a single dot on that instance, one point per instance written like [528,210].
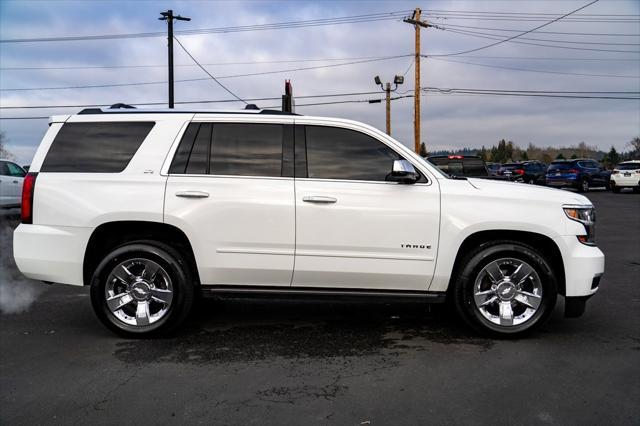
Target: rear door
[354,229]
[231,190]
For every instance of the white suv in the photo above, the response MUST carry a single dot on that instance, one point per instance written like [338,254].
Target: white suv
[151,208]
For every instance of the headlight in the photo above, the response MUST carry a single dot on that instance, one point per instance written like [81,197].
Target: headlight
[587,217]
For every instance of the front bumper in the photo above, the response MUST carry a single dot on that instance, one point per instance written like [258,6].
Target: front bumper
[583,266]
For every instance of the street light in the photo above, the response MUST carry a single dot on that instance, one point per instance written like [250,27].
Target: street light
[397,80]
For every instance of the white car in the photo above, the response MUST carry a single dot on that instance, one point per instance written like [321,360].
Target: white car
[150,208]
[626,175]
[11,178]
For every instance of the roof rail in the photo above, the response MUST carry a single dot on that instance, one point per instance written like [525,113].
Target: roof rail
[128,109]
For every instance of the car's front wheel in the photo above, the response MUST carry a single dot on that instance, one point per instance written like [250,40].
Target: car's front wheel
[505,288]
[142,288]
[583,185]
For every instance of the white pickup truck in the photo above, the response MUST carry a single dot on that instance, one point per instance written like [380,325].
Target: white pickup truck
[154,207]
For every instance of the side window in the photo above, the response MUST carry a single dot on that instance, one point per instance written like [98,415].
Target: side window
[335,153]
[198,163]
[247,149]
[4,169]
[15,170]
[104,147]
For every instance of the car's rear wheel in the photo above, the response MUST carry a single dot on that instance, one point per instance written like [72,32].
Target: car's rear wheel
[615,188]
[142,288]
[505,289]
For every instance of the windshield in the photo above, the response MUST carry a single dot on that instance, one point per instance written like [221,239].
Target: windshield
[628,166]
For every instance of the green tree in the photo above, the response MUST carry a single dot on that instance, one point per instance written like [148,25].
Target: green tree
[574,156]
[423,150]
[560,156]
[524,156]
[4,152]
[635,147]
[613,157]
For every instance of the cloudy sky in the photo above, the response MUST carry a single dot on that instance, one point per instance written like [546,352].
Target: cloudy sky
[595,50]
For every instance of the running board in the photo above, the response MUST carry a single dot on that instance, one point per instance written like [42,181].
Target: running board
[314,293]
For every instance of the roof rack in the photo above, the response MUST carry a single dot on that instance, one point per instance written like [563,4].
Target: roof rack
[121,108]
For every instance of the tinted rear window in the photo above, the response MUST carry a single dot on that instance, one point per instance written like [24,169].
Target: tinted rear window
[95,147]
[512,166]
[628,166]
[561,166]
[469,167]
[230,149]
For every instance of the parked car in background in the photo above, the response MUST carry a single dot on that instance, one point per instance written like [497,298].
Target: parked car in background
[493,168]
[581,174]
[626,175]
[460,165]
[532,172]
[11,178]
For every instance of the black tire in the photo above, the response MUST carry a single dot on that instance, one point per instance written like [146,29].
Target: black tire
[177,269]
[583,186]
[615,188]
[636,189]
[473,264]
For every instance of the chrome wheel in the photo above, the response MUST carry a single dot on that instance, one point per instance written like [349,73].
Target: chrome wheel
[138,292]
[507,292]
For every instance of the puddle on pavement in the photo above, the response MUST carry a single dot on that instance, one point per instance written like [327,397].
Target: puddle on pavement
[249,331]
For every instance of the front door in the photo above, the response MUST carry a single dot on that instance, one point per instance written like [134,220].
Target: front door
[355,229]
[231,192]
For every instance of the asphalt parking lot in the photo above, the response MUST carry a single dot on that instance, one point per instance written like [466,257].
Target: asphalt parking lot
[239,362]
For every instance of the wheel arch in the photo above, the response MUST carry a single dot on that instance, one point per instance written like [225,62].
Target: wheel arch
[546,246]
[110,235]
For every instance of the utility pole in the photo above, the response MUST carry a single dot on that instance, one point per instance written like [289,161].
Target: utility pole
[169,17]
[418,24]
[388,90]
[398,79]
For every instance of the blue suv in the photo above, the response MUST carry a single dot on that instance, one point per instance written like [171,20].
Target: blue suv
[581,174]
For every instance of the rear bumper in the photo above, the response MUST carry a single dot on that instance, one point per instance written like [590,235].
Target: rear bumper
[625,182]
[583,266]
[560,182]
[51,253]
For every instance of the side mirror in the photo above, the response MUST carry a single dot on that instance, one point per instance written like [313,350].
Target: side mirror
[403,172]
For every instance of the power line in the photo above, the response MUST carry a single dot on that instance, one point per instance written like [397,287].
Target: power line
[326,95]
[88,67]
[542,58]
[146,83]
[520,34]
[535,44]
[545,32]
[536,70]
[550,40]
[372,17]
[207,72]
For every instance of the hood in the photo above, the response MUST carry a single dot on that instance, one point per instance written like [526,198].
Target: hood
[522,191]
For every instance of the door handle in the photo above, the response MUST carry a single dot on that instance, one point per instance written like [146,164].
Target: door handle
[319,199]
[192,194]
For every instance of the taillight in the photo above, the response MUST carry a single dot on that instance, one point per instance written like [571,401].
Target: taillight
[518,171]
[615,172]
[28,187]
[572,171]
